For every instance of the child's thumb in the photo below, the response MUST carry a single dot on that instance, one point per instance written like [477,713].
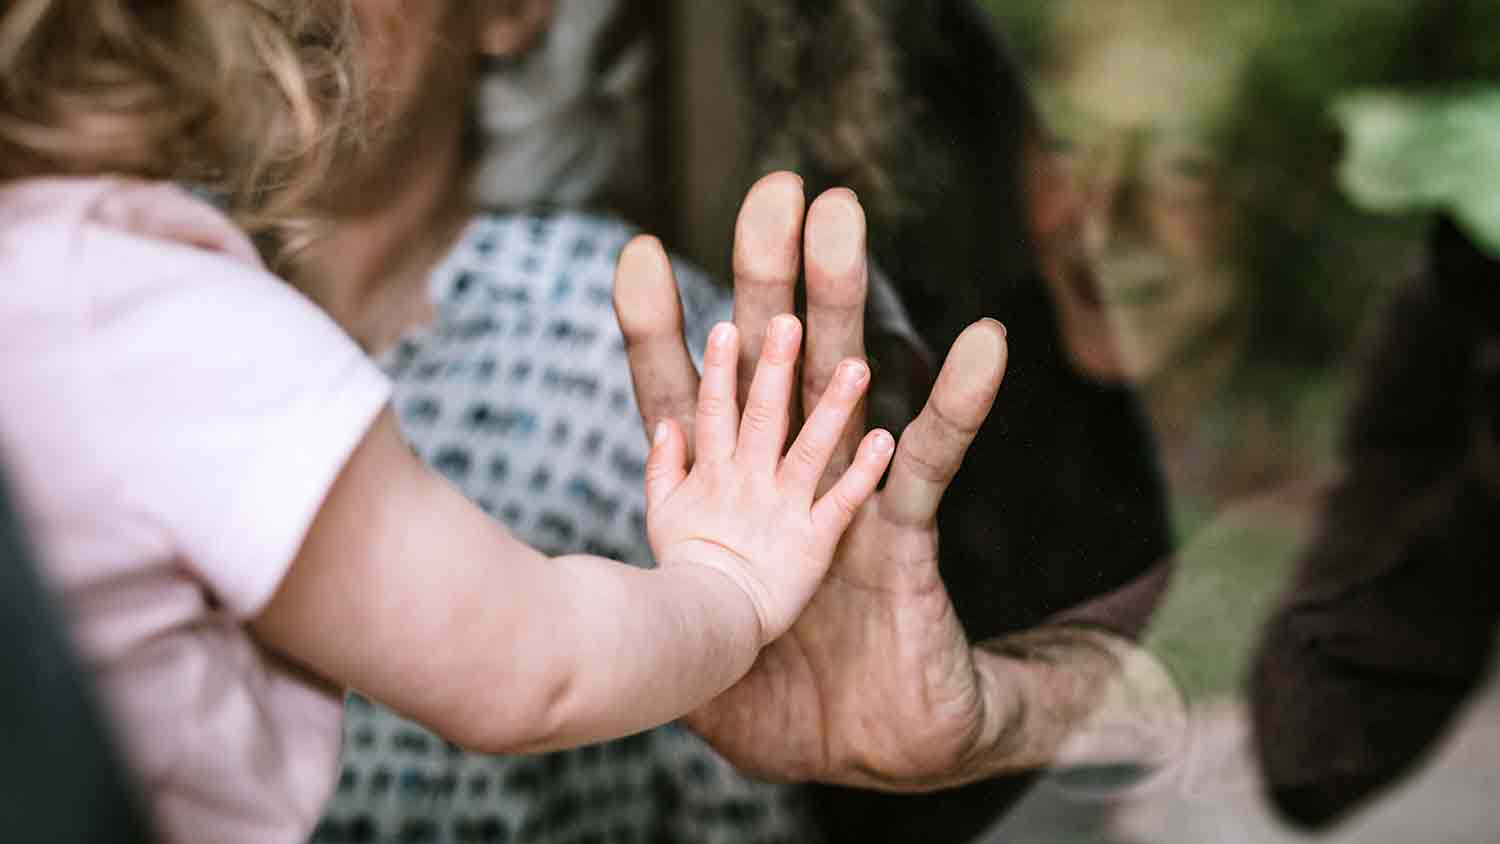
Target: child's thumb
[667,464]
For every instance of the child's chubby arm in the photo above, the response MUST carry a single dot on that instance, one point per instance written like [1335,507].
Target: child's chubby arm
[405,590]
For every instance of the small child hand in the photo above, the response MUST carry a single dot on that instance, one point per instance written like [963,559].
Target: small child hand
[745,509]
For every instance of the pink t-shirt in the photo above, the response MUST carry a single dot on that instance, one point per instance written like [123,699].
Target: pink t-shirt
[171,417]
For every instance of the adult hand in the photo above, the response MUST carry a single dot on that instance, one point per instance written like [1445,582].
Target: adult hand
[876,684]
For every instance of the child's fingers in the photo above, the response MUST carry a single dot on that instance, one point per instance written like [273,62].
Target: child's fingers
[666,466]
[808,458]
[718,415]
[836,509]
[763,426]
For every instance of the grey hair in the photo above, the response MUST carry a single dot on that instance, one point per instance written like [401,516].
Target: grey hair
[555,128]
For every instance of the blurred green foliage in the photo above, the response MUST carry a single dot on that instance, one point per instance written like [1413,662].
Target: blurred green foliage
[1426,151]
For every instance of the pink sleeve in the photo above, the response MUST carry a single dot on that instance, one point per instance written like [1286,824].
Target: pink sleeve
[233,399]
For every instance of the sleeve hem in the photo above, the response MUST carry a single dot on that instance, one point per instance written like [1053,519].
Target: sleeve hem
[299,466]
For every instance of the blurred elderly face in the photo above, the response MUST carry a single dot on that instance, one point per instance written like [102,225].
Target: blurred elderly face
[1131,209]
[419,57]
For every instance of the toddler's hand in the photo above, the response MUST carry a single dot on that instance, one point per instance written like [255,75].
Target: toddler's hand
[745,509]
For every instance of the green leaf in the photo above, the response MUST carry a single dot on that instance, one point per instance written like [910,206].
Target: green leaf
[1426,152]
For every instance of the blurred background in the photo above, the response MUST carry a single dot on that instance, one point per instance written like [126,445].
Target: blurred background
[1249,185]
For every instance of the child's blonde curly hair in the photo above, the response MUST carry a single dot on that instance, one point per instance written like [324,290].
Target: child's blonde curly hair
[246,98]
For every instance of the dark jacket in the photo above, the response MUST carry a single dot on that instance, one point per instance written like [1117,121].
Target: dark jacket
[60,777]
[1390,623]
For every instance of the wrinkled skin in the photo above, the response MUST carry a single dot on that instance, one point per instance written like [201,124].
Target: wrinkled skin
[876,684]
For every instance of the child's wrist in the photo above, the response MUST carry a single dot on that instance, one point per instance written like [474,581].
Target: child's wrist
[729,602]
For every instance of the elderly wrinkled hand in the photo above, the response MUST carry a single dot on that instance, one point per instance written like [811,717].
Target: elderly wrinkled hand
[876,684]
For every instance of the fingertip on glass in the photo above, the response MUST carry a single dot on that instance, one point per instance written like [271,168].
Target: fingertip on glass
[852,373]
[784,328]
[721,336]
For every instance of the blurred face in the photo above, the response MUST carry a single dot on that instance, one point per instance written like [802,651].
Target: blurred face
[1131,211]
[403,46]
[419,59]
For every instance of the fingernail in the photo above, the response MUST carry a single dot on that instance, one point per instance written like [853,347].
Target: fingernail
[719,337]
[851,373]
[783,328]
[883,444]
[661,434]
[998,324]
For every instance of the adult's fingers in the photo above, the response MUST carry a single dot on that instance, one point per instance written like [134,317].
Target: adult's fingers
[837,281]
[650,316]
[933,445]
[767,259]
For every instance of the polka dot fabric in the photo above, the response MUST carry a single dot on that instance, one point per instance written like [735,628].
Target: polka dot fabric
[519,392]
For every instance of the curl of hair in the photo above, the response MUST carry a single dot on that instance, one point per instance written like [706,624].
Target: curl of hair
[248,99]
[827,83]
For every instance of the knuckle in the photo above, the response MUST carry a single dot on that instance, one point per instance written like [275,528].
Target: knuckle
[945,429]
[843,503]
[950,424]
[766,270]
[655,470]
[921,461]
[660,402]
[658,467]
[714,405]
[759,417]
[806,453]
[641,336]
